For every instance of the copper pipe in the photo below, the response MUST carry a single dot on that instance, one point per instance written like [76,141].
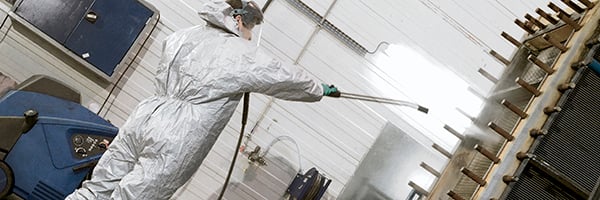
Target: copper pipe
[442,150]
[537,132]
[508,179]
[454,196]
[555,43]
[511,39]
[501,131]
[566,86]
[587,3]
[569,21]
[524,26]
[541,64]
[499,57]
[546,16]
[528,87]
[535,21]
[553,109]
[473,176]
[488,154]
[514,108]
[573,6]
[523,155]
[430,169]
[557,9]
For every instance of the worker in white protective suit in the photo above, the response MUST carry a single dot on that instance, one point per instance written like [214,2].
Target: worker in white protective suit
[202,75]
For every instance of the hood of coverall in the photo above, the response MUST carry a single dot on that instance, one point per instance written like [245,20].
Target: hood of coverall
[216,12]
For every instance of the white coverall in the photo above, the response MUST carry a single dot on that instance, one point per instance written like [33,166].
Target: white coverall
[201,78]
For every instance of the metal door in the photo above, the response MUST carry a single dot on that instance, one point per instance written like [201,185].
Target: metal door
[103,42]
[56,18]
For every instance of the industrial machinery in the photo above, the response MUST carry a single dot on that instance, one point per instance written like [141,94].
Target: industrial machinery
[49,143]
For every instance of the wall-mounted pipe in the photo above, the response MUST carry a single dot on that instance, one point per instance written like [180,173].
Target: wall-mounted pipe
[454,132]
[528,87]
[541,64]
[558,10]
[488,154]
[473,176]
[524,26]
[511,39]
[573,6]
[499,57]
[587,3]
[535,21]
[430,169]
[487,75]
[501,131]
[514,108]
[546,16]
[441,150]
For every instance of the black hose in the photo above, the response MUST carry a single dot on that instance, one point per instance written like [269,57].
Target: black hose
[244,120]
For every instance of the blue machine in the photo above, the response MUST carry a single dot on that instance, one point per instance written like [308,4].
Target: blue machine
[49,143]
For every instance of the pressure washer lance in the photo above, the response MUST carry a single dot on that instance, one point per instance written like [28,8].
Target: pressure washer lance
[379,100]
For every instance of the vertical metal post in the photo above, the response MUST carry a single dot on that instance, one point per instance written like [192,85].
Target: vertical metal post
[541,64]
[488,154]
[514,108]
[501,131]
[499,57]
[430,169]
[524,26]
[535,21]
[555,43]
[528,87]
[473,176]
[511,39]
[546,16]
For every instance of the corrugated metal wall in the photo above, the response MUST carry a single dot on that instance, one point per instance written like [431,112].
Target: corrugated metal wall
[332,134]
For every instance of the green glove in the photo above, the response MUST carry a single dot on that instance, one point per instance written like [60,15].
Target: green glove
[330,90]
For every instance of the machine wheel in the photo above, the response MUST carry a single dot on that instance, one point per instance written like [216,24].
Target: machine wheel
[7,179]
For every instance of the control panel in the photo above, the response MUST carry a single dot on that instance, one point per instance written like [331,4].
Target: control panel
[85,145]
